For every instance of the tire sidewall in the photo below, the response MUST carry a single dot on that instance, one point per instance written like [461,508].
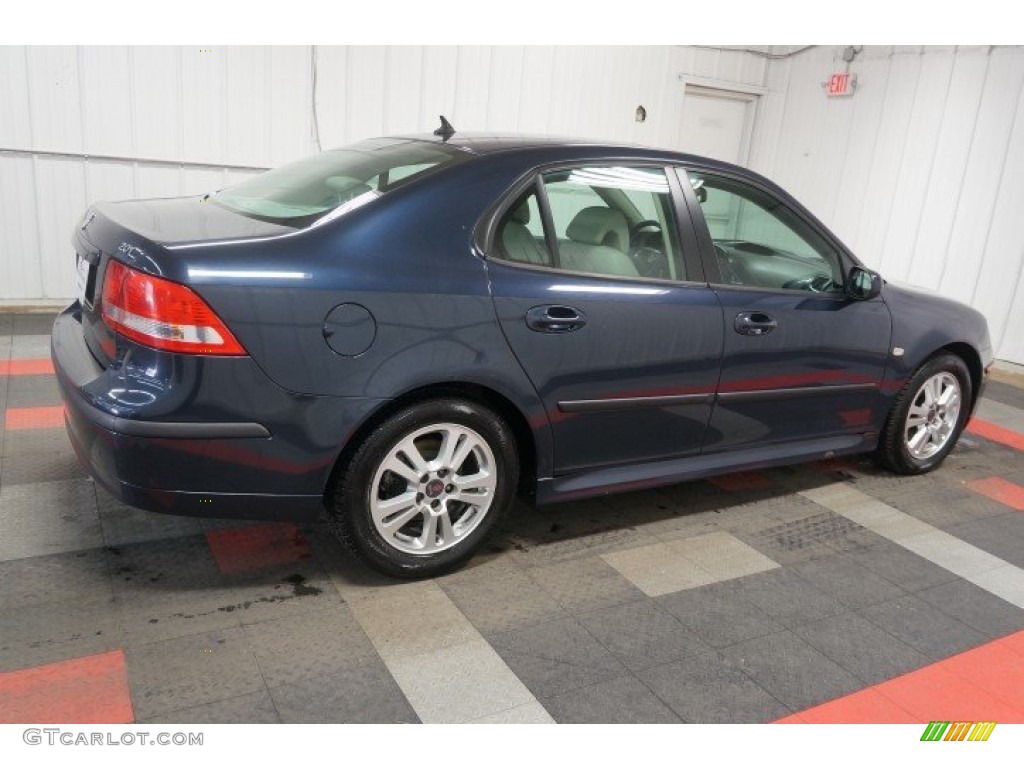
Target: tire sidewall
[353,500]
[942,363]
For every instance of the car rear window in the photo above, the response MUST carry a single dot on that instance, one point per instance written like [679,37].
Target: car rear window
[332,183]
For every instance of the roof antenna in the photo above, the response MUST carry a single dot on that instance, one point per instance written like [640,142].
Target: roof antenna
[445,131]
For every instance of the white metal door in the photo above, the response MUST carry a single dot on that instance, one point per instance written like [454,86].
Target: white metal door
[717,123]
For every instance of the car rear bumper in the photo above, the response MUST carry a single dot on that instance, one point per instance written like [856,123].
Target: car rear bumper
[169,433]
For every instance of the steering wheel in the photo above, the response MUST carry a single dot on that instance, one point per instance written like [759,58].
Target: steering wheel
[635,229]
[818,283]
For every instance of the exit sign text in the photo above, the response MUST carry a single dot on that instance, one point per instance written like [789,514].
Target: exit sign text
[840,84]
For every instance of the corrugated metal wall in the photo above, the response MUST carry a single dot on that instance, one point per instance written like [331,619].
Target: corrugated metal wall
[921,172]
[165,121]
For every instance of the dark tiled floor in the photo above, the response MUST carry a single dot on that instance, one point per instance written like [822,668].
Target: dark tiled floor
[549,623]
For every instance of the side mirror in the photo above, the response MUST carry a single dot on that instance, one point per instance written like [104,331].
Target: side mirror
[863,284]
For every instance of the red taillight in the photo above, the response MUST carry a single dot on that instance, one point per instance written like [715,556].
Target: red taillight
[161,314]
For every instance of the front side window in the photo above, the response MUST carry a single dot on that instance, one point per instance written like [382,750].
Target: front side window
[615,221]
[760,242]
[334,182]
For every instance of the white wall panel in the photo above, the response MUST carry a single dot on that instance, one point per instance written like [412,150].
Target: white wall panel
[55,106]
[60,194]
[932,183]
[247,105]
[921,172]
[106,108]
[19,230]
[204,123]
[156,95]
[15,115]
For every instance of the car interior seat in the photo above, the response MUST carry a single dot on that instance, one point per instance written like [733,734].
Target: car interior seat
[598,241]
[519,243]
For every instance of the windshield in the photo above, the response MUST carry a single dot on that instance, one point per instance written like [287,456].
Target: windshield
[332,183]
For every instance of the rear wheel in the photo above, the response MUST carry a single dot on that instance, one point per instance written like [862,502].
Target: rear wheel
[426,488]
[927,417]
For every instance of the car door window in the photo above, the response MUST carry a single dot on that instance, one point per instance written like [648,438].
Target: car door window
[520,235]
[615,221]
[760,242]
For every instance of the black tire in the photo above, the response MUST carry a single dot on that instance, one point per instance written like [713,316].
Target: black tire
[348,505]
[892,452]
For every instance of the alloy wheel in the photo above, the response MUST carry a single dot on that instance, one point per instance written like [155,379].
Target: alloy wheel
[933,415]
[433,488]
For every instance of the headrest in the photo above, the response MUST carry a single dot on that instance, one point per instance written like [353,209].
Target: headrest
[522,213]
[598,225]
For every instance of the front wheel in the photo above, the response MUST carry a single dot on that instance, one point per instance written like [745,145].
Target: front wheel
[426,488]
[927,417]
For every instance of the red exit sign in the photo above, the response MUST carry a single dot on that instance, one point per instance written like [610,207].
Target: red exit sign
[840,84]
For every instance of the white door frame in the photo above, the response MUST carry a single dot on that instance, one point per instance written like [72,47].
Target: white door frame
[723,89]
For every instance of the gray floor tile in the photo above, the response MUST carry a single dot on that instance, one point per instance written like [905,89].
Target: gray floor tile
[33,391]
[33,323]
[48,518]
[787,598]
[718,615]
[256,707]
[860,647]
[901,567]
[847,581]
[1002,536]
[709,689]
[27,344]
[22,442]
[42,633]
[362,694]
[556,657]
[55,578]
[621,700]
[791,670]
[314,643]
[499,605]
[188,671]
[41,468]
[1004,393]
[642,634]
[584,585]
[923,626]
[123,524]
[975,607]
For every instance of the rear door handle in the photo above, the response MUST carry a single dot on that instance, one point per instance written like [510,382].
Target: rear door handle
[555,318]
[754,324]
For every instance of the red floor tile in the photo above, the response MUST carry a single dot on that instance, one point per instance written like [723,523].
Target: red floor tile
[27,367]
[996,670]
[985,683]
[742,481]
[866,706]
[998,489]
[935,693]
[93,689]
[253,548]
[997,434]
[35,418]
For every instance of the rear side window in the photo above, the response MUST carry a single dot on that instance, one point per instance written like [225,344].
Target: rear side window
[336,181]
[614,221]
[521,233]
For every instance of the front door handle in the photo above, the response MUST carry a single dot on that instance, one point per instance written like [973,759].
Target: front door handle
[754,324]
[555,318]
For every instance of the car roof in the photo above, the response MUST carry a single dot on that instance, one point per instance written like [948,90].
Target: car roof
[485,143]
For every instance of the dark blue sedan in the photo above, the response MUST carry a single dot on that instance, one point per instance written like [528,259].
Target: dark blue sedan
[405,333]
